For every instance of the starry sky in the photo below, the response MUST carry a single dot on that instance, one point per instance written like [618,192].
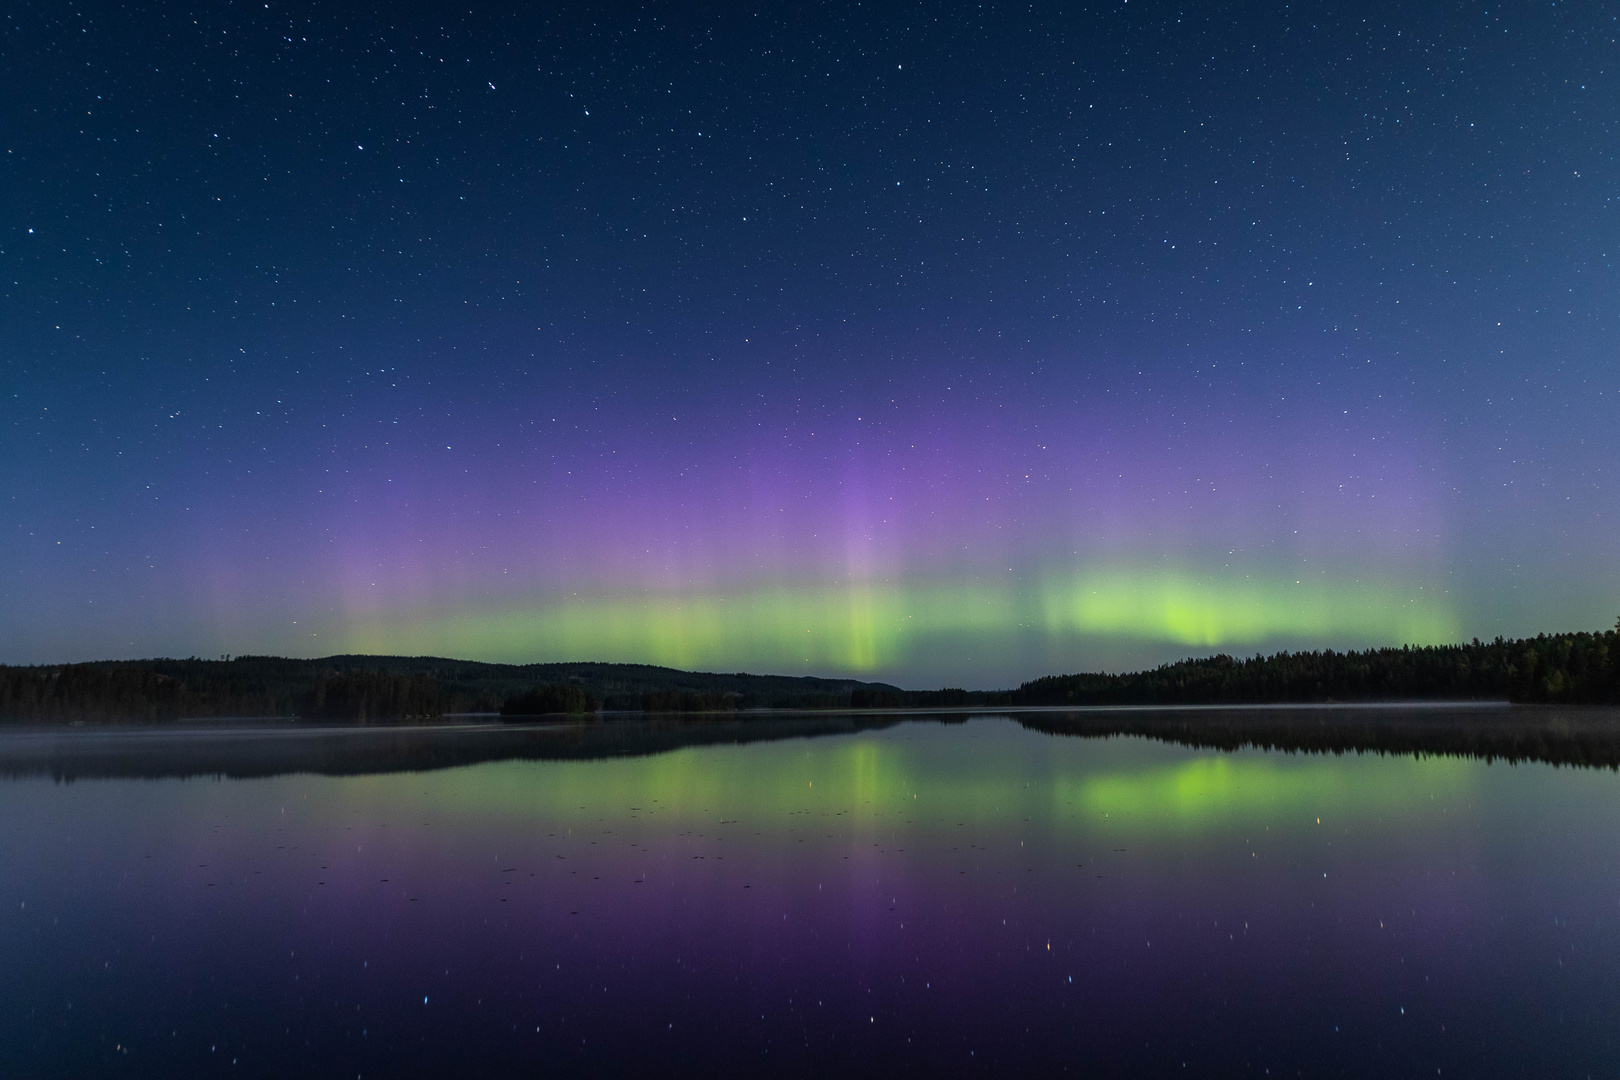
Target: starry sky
[938,343]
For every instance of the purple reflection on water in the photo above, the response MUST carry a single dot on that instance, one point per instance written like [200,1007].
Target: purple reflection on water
[924,899]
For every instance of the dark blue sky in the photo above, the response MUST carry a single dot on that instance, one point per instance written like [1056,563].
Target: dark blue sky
[910,339]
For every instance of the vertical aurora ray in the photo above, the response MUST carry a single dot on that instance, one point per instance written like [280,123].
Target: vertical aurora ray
[1065,388]
[897,552]
[902,548]
[882,627]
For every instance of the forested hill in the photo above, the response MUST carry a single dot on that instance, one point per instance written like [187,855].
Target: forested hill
[380,687]
[1572,668]
[1556,668]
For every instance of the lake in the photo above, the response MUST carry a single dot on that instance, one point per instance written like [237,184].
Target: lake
[1091,894]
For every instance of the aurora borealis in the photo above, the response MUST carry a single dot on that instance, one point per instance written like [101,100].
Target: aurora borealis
[951,345]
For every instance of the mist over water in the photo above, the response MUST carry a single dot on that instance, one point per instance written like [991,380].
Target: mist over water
[841,895]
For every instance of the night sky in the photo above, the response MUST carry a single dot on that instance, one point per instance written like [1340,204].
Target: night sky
[940,343]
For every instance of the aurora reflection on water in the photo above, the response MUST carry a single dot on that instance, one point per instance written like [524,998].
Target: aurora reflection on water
[920,898]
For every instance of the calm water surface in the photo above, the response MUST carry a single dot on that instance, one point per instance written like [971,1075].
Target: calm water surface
[919,898]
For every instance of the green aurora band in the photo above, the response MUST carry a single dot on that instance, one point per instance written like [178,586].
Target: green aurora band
[877,625]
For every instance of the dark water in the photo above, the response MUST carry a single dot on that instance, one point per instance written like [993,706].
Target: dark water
[838,897]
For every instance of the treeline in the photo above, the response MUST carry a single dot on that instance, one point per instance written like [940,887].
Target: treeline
[375,695]
[362,688]
[1555,668]
[179,689]
[557,698]
[1552,668]
[1579,668]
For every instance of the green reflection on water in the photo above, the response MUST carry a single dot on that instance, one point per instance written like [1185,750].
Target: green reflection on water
[863,775]
[989,773]
[1221,790]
